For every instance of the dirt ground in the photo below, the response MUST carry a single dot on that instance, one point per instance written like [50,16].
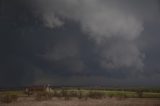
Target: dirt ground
[90,102]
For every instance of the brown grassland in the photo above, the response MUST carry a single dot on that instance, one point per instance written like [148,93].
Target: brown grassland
[80,97]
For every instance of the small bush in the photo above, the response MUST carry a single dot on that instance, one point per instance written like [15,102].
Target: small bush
[139,93]
[9,98]
[73,94]
[62,93]
[80,95]
[42,96]
[66,94]
[96,95]
[57,94]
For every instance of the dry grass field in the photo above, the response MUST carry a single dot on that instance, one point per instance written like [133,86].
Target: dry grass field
[83,97]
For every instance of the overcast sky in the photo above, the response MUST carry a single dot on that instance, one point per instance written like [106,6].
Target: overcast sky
[80,42]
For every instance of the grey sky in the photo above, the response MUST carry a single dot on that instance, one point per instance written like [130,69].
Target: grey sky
[66,42]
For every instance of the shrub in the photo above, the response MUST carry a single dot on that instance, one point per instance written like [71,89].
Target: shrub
[96,95]
[139,93]
[80,96]
[57,94]
[41,96]
[9,98]
[65,94]
[73,94]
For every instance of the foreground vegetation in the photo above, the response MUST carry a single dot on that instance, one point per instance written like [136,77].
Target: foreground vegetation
[80,93]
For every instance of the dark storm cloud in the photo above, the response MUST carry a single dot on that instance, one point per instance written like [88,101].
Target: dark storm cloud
[79,42]
[118,22]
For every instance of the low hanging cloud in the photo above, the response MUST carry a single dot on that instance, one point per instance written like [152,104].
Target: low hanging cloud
[51,21]
[114,25]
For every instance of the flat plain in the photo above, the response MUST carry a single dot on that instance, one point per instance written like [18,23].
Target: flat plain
[83,97]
